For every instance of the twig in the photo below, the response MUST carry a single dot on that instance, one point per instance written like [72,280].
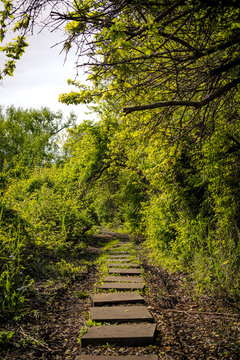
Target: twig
[36,341]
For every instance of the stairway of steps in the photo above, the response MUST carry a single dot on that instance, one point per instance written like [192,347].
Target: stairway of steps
[122,305]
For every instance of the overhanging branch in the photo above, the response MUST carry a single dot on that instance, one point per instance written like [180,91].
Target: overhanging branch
[196,104]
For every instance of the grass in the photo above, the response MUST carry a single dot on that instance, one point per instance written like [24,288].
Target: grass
[82,295]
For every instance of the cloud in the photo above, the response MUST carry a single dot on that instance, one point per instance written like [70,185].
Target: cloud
[41,76]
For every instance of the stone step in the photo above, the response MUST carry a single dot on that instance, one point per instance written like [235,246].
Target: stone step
[116,298]
[130,335]
[119,357]
[124,265]
[121,271]
[124,279]
[122,286]
[120,314]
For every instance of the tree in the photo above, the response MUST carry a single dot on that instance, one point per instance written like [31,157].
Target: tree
[30,136]
[178,59]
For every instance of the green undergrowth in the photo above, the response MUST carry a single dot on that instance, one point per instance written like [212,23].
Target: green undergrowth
[24,265]
[33,272]
[43,233]
[211,273]
[82,295]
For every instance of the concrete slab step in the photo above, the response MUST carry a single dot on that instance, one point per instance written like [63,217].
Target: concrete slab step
[123,264]
[124,279]
[117,298]
[133,334]
[122,286]
[121,271]
[120,314]
[119,357]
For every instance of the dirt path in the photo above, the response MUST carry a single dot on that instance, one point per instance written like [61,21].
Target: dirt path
[205,328]
[186,329]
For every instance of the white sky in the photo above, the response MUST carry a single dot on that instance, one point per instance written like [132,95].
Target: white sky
[41,76]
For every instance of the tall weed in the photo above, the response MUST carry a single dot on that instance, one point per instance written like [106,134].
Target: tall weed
[13,281]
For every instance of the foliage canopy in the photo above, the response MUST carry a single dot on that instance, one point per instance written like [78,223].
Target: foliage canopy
[181,57]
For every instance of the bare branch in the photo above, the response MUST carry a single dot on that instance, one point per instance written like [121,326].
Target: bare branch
[196,104]
[225,67]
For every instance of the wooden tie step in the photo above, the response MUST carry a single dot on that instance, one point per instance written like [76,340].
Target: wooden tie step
[117,252]
[121,271]
[120,257]
[131,335]
[122,264]
[116,298]
[122,286]
[123,237]
[121,357]
[127,256]
[120,245]
[124,279]
[120,314]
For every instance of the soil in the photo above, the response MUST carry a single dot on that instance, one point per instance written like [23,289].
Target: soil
[203,328]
